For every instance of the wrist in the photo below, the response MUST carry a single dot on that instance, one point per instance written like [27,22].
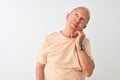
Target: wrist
[80,47]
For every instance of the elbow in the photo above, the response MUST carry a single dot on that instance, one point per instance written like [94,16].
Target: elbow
[88,71]
[88,74]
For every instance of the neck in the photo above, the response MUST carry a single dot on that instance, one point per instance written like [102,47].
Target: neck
[68,33]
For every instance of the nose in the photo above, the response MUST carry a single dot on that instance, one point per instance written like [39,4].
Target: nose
[77,20]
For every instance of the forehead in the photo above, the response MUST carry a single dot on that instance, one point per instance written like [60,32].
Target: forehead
[82,12]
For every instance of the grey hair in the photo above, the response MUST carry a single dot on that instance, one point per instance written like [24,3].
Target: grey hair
[85,8]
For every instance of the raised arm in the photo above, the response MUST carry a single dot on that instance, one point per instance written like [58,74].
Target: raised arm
[86,63]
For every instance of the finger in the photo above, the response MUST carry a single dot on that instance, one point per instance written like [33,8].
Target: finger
[75,34]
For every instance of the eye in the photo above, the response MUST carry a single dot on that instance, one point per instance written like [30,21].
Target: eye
[77,15]
[81,18]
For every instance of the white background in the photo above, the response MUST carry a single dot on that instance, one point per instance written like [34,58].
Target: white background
[24,23]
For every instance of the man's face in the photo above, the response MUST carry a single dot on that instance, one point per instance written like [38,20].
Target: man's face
[77,19]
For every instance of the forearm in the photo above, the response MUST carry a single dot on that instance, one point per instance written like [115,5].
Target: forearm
[39,72]
[86,62]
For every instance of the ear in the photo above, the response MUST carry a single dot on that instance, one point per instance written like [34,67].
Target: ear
[67,16]
[84,27]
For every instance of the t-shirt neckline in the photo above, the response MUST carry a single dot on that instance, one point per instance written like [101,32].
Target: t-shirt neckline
[64,36]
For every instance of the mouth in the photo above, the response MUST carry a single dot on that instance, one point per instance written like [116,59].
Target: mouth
[75,24]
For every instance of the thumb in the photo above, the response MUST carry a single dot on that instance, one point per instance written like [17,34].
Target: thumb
[76,34]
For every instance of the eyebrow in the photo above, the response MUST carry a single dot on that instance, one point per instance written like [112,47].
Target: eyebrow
[79,14]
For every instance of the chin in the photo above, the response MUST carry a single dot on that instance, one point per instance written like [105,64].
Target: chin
[73,26]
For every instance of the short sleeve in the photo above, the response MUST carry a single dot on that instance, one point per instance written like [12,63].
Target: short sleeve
[42,54]
[87,48]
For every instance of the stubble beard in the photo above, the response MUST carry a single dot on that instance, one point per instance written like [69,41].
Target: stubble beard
[73,27]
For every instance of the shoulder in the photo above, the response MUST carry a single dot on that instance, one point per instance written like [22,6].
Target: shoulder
[52,36]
